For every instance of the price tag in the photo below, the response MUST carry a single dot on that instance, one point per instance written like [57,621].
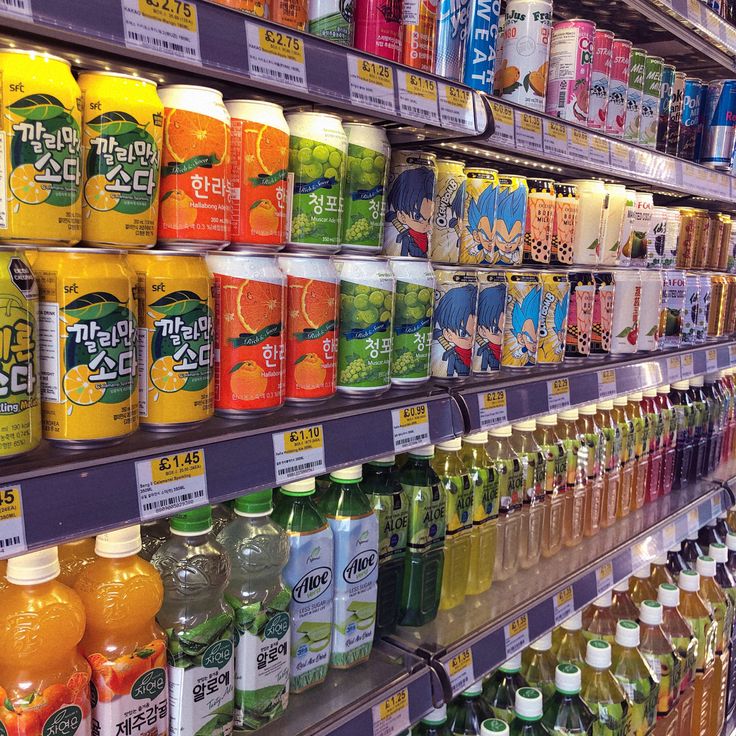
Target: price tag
[528,131]
[669,537]
[503,117]
[411,427]
[579,144]
[620,156]
[607,384]
[460,671]
[371,84]
[12,526]
[603,578]
[555,139]
[418,98]
[558,395]
[600,151]
[275,56]
[516,635]
[715,506]
[492,406]
[299,453]
[564,603]
[687,369]
[711,360]
[673,369]
[164,27]
[391,717]
[171,483]
[20,8]
[693,521]
[732,355]
[456,108]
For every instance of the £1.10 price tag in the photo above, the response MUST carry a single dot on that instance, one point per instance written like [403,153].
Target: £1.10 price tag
[603,578]
[371,84]
[606,384]
[275,56]
[12,527]
[564,605]
[558,395]
[418,98]
[516,635]
[460,671]
[411,427]
[299,453]
[492,409]
[164,27]
[456,108]
[391,716]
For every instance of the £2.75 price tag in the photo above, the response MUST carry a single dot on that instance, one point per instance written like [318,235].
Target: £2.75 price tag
[492,409]
[564,604]
[391,716]
[411,427]
[558,395]
[299,453]
[12,527]
[603,578]
[275,56]
[371,84]
[460,671]
[516,635]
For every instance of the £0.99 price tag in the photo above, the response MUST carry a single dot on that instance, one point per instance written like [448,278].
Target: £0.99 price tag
[492,409]
[411,427]
[516,635]
[606,384]
[12,527]
[371,84]
[603,578]
[456,108]
[674,371]
[564,605]
[418,98]
[460,671]
[20,8]
[711,360]
[275,56]
[391,716]
[503,118]
[687,367]
[558,395]
[299,453]
[171,483]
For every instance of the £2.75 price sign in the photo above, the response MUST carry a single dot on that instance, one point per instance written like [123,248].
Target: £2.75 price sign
[299,453]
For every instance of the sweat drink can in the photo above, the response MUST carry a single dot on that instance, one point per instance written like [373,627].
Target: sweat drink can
[625,324]
[480,47]
[175,339]
[87,346]
[540,215]
[451,38]
[650,100]
[632,126]
[600,77]
[123,123]
[378,28]
[412,326]
[553,315]
[250,314]
[449,203]
[673,124]
[332,20]
[689,118]
[511,206]
[651,303]
[618,87]
[570,67]
[669,334]
[477,244]
[418,21]
[719,119]
[367,292]
[40,163]
[491,316]
[605,289]
[665,105]
[521,321]
[564,225]
[580,314]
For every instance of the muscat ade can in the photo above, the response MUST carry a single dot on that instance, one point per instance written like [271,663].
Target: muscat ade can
[650,100]
[632,126]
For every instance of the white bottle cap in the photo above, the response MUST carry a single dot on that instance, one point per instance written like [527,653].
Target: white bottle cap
[569,414]
[663,389]
[605,405]
[475,689]
[636,396]
[119,543]
[650,612]
[33,567]
[688,580]
[548,420]
[668,595]
[627,633]
[697,381]
[681,385]
[574,623]
[622,586]
[426,451]
[476,438]
[512,665]
[660,559]
[718,551]
[353,472]
[604,601]
[588,410]
[504,431]
[692,535]
[452,445]
[543,644]
[567,678]
[650,393]
[620,401]
[494,727]
[598,654]
[706,567]
[300,486]
[528,703]
[644,571]
[731,540]
[528,425]
[385,460]
[436,715]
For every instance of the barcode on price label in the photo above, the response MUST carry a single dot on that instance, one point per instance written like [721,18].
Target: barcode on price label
[687,369]
[391,716]
[564,605]
[418,97]
[171,483]
[371,84]
[673,368]
[275,56]
[558,395]
[606,384]
[456,108]
[460,671]
[711,360]
[604,578]
[516,635]
[299,453]
[410,426]
[12,526]
[16,7]
[492,409]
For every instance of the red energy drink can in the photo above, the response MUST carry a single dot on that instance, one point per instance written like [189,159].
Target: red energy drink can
[618,85]
[419,18]
[378,28]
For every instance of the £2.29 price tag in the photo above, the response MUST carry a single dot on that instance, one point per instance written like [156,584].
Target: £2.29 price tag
[492,409]
[460,671]
[516,635]
[603,578]
[371,84]
[564,604]
[418,98]
[411,427]
[391,716]
[12,527]
[558,395]
[276,56]
[299,453]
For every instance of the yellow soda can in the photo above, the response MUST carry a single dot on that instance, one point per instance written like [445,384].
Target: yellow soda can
[521,320]
[554,302]
[175,339]
[87,345]
[40,149]
[122,133]
[477,245]
[20,402]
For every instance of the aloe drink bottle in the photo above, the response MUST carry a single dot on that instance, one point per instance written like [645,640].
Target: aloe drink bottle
[387,497]
[682,425]
[455,479]
[622,604]
[434,723]
[660,572]
[355,535]
[669,437]
[602,693]
[569,642]
[484,480]
[642,588]
[676,627]
[641,448]
[698,614]
[309,575]
[626,467]
[527,719]
[499,690]
[599,621]
[660,653]
[633,674]
[724,576]
[494,727]
[425,554]
[720,603]
[591,437]
[577,456]
[700,428]
[565,713]
[611,460]
[656,447]
[691,550]
[538,664]
[195,570]
[259,550]
[467,711]
[555,483]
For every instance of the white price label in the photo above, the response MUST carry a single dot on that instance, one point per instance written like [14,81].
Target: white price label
[299,453]
[673,369]
[711,360]
[603,578]
[371,84]
[579,144]
[558,395]
[20,8]
[460,671]
[607,384]
[600,151]
[503,118]
[732,355]
[411,427]
[492,408]
[418,98]
[693,521]
[12,526]
[391,716]
[715,506]
[164,27]
[171,483]
[276,56]
[687,367]
[620,155]
[555,139]
[516,635]
[456,108]
[528,131]
[669,536]
[564,604]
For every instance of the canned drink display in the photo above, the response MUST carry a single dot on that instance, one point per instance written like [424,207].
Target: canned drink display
[553,315]
[259,160]
[635,228]
[672,235]
[649,311]
[332,19]
[378,28]
[521,74]
[634,94]
[625,323]
[605,289]
[453,322]
[259,8]
[702,238]
[449,204]
[691,308]
[665,105]
[367,291]
[499,49]
[570,68]
[480,46]
[363,202]
[312,302]
[521,320]
[121,161]
[511,206]
[318,149]
[731,263]
[656,238]
[291,13]
[175,339]
[730,323]
[618,87]
[701,122]
[719,119]
[650,100]
[673,124]
[450,37]
[725,247]
[600,77]
[591,221]
[717,311]
[540,215]
[412,186]
[86,342]
[672,311]
[715,237]
[490,322]
[477,243]
[687,125]
[704,298]
[689,232]
[37,205]
[564,224]
[250,340]
[418,21]
[580,314]
[616,210]
[412,325]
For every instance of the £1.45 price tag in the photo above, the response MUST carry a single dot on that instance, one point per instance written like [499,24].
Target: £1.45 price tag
[456,108]
[606,384]
[299,453]
[687,369]
[492,409]
[171,483]
[564,604]
[391,716]
[460,671]
[371,84]
[411,427]
[275,56]
[12,526]
[558,395]
[603,578]
[418,98]
[516,635]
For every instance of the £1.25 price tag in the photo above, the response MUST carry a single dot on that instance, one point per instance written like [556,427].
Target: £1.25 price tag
[299,453]
[492,409]
[12,526]
[606,384]
[391,716]
[564,605]
[411,427]
[687,369]
[456,108]
[418,98]
[603,578]
[516,635]
[558,395]
[275,56]
[371,84]
[460,671]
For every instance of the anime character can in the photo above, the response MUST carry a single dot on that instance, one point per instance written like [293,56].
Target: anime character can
[564,225]
[553,317]
[477,243]
[669,334]
[511,205]
[651,301]
[449,202]
[605,287]
[625,326]
[521,321]
[540,215]
[580,314]
[491,314]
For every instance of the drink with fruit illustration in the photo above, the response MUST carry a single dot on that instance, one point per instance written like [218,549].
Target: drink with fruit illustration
[625,324]
[618,87]
[600,78]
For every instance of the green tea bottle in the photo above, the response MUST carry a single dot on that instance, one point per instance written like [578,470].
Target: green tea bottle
[679,632]
[660,654]
[622,604]
[569,642]
[599,621]
[499,690]
[434,723]
[659,572]
[602,693]
[467,711]
[697,612]
[565,713]
[494,727]
[720,603]
[724,577]
[538,665]
[642,588]
[527,720]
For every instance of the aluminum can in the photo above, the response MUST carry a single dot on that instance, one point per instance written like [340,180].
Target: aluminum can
[649,311]
[665,105]
[564,226]
[730,267]
[719,119]
[333,20]
[730,323]
[570,67]
[449,203]
[673,124]
[378,28]
[673,310]
[625,324]
[704,297]
[419,18]
[656,238]
[701,122]
[453,322]
[553,317]
[259,8]
[717,311]
[650,101]
[580,314]
[451,38]
[700,252]
[618,87]
[605,289]
[672,235]
[634,95]
[691,314]
[600,77]
[521,322]
[611,241]
[636,226]
[477,244]
[491,316]
[591,222]
[290,13]
[540,215]
[689,117]
[412,186]
[689,233]
[511,206]
[175,295]
[725,251]
[715,237]
[480,51]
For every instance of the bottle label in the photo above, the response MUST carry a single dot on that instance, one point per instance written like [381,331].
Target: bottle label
[459,492]
[611,448]
[595,448]
[611,718]
[642,695]
[510,483]
[555,468]
[639,434]
[663,667]
[705,630]
[392,510]
[485,495]
[627,441]
[427,516]
[533,476]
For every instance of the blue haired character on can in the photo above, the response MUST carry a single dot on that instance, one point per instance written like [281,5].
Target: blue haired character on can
[489,331]
[481,216]
[521,329]
[454,331]
[510,220]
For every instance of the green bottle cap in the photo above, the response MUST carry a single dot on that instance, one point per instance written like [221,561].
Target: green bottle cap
[260,502]
[196,521]
[492,726]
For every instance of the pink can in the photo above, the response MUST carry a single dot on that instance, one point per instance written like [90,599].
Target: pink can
[570,66]
[599,77]
[618,86]
[378,28]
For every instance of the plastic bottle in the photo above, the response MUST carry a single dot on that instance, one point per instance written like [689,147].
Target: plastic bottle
[425,540]
[434,723]
[655,424]
[680,633]
[602,693]
[153,535]
[569,642]
[499,690]
[640,423]
[494,727]
[669,439]
[720,604]
[565,713]
[577,454]
[591,436]
[731,519]
[467,711]
[73,558]
[309,574]
[455,479]
[698,615]
[691,550]
[633,674]
[676,562]
[724,576]
[626,472]
[222,514]
[622,604]
[731,547]
[611,439]
[388,500]
[642,588]
[715,405]
[599,621]
[659,572]
[195,570]
[122,594]
[538,665]
[44,677]
[660,654]
[485,512]
[682,404]
[700,428]
[527,719]
[722,527]
[259,550]
[708,534]
[555,483]
[355,535]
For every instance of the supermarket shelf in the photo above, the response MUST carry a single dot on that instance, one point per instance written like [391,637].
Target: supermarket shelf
[469,641]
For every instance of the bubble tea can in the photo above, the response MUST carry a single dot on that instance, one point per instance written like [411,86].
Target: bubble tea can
[540,215]
[521,322]
[511,206]
[600,77]
[491,316]
[634,95]
[580,314]
[449,203]
[618,87]
[477,243]
[553,314]
[564,224]
[600,340]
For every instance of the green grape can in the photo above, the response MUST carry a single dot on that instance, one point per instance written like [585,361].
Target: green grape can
[412,331]
[367,289]
[364,204]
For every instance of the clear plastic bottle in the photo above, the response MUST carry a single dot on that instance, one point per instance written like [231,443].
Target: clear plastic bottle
[599,621]
[715,404]
[660,654]
[676,562]
[655,425]
[467,711]
[434,723]
[494,727]
[622,604]
[577,454]
[611,440]
[602,693]
[528,711]
[731,519]
[592,437]
[640,422]
[222,514]
[680,633]
[153,535]
[660,572]
[700,428]
[565,713]
[73,558]
[642,588]
[626,432]
[569,642]
[499,690]
[691,550]
[195,570]
[258,549]
[684,432]
[555,483]
[731,549]
[538,664]
[697,613]
[669,437]
[720,604]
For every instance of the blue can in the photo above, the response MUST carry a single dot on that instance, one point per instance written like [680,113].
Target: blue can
[719,124]
[689,117]
[452,33]
[480,49]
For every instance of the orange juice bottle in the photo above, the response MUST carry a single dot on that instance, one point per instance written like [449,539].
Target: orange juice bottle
[45,680]
[73,558]
[626,474]
[640,422]
[122,593]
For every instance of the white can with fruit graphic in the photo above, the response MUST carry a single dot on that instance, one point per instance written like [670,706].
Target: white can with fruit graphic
[626,304]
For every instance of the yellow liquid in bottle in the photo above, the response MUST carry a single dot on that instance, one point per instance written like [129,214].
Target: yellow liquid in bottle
[626,481]
[611,460]
[640,423]
[73,558]
[574,519]
[555,480]
[592,441]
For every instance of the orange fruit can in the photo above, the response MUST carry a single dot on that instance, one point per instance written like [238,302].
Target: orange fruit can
[250,346]
[194,204]
[259,161]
